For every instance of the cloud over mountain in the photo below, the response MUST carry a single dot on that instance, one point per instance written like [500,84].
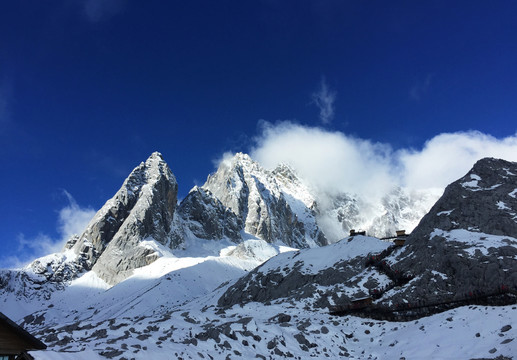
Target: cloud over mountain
[333,161]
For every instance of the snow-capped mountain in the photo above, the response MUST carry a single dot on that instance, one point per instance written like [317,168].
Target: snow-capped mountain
[273,205]
[202,286]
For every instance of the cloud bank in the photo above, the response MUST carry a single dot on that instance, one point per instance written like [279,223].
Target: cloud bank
[333,161]
[72,220]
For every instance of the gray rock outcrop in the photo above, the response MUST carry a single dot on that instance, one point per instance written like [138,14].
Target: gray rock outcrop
[315,278]
[468,241]
[206,217]
[142,209]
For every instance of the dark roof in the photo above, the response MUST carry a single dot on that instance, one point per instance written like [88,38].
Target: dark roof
[14,337]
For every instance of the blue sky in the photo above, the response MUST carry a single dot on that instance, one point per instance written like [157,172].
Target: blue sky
[90,88]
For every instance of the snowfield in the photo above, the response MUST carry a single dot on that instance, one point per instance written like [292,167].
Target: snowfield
[279,331]
[168,310]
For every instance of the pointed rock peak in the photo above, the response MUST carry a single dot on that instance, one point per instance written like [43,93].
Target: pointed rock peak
[238,159]
[493,167]
[286,171]
[142,208]
[151,170]
[485,193]
[155,155]
[155,160]
[236,165]
[492,162]
[242,156]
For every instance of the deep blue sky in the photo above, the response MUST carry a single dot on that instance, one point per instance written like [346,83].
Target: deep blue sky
[87,91]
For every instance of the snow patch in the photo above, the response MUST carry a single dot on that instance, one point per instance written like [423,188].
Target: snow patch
[513,194]
[475,240]
[502,206]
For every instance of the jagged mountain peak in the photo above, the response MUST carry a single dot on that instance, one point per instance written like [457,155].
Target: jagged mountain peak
[142,208]
[274,205]
[149,171]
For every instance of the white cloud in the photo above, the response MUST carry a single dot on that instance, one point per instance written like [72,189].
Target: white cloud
[72,220]
[449,156]
[334,161]
[225,158]
[324,99]
[330,161]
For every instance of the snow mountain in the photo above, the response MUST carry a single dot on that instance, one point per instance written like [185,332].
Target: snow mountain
[219,281]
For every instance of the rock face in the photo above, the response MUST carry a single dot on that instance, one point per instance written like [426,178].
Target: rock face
[143,208]
[204,216]
[484,200]
[272,205]
[468,241]
[239,201]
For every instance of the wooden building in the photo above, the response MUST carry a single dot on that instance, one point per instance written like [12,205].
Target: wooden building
[15,341]
[361,303]
[353,232]
[401,238]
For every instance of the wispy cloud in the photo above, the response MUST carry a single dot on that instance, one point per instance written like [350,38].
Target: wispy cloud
[324,99]
[72,219]
[5,95]
[420,88]
[100,10]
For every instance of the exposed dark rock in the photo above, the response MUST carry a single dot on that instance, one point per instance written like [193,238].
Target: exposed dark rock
[480,204]
[506,328]
[207,218]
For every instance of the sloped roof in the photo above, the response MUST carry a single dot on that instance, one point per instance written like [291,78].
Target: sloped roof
[15,339]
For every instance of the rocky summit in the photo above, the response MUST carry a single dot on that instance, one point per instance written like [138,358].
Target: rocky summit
[467,243]
[143,208]
[243,267]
